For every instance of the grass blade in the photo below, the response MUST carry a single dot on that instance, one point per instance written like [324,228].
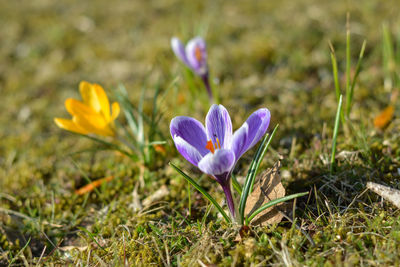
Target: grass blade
[255,164]
[19,252]
[140,134]
[236,185]
[202,190]
[335,71]
[335,133]
[358,68]
[246,186]
[128,109]
[348,62]
[397,63]
[388,56]
[273,203]
[156,143]
[261,157]
[91,235]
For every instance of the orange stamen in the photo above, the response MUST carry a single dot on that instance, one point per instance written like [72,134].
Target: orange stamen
[210,146]
[219,145]
[198,54]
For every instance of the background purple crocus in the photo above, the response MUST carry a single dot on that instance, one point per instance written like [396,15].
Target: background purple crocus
[213,148]
[194,55]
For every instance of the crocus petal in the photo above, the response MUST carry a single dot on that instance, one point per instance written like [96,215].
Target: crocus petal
[250,132]
[197,55]
[219,125]
[218,163]
[69,125]
[190,130]
[179,50]
[85,124]
[189,152]
[89,96]
[90,126]
[78,109]
[103,101]
[115,111]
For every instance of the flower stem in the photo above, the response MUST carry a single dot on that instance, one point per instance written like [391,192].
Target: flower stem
[228,194]
[206,81]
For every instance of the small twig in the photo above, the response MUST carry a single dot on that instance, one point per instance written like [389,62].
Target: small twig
[202,264]
[48,239]
[53,250]
[294,209]
[8,197]
[88,257]
[41,255]
[354,200]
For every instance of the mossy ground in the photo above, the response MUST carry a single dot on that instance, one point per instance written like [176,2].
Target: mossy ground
[261,54]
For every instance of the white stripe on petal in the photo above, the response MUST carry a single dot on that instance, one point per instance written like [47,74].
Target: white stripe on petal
[222,161]
[189,152]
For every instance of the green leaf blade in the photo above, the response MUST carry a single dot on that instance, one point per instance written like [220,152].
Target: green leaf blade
[202,191]
[255,164]
[273,203]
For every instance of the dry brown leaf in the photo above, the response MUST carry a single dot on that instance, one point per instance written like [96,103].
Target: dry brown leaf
[156,196]
[384,117]
[267,187]
[90,187]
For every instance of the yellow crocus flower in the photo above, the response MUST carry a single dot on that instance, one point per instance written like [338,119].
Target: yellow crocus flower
[93,114]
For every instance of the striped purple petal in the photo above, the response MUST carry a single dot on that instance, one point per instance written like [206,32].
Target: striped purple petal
[250,132]
[196,55]
[190,130]
[179,50]
[189,152]
[219,125]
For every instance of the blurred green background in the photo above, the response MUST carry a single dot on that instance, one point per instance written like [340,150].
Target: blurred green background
[266,53]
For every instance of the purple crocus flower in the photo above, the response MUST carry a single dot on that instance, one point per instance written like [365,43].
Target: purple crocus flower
[213,148]
[194,55]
